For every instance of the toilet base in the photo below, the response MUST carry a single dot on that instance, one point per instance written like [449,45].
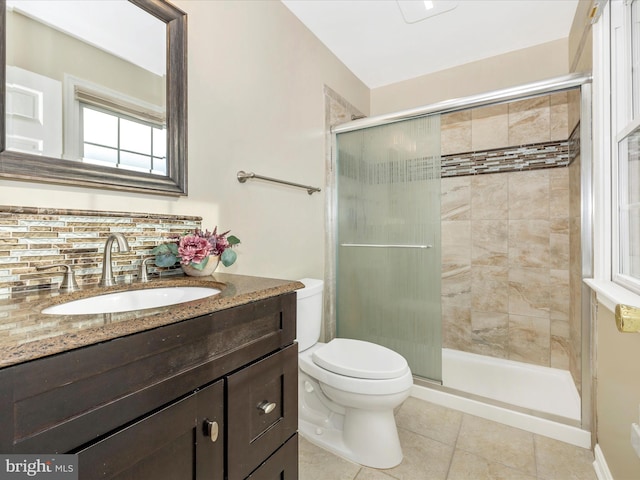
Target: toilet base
[367,438]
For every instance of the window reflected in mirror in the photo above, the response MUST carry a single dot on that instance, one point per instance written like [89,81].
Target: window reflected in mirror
[114,140]
[77,91]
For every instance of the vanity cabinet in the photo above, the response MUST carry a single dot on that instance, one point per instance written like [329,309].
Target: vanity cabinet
[213,397]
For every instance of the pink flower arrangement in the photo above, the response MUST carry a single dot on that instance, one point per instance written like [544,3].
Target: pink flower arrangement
[195,248]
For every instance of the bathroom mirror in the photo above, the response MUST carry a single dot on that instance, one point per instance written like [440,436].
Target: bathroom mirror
[99,116]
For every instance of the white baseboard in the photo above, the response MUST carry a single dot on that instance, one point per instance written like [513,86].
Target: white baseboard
[600,465]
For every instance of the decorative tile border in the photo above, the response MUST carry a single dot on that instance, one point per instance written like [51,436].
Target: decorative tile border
[528,157]
[511,159]
[31,237]
[574,144]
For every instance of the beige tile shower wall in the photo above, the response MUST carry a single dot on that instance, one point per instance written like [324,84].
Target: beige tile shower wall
[505,239]
[573,108]
[505,264]
[31,237]
[575,229]
[535,120]
[575,273]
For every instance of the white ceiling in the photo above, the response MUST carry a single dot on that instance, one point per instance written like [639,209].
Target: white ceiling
[372,39]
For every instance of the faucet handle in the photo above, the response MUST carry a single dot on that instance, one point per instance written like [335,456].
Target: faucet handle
[69,283]
[143,275]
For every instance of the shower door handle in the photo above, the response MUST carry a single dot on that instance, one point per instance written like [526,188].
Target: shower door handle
[374,245]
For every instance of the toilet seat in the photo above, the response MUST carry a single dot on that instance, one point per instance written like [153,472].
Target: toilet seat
[366,386]
[359,359]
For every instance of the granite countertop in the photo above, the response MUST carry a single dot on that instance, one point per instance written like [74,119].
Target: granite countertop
[27,334]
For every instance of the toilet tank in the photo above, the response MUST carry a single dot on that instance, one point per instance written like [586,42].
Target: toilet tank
[309,313]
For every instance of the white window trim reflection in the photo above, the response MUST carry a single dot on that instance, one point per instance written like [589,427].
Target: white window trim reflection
[73,141]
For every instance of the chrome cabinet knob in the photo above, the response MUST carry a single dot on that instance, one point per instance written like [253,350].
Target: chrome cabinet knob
[266,407]
[211,429]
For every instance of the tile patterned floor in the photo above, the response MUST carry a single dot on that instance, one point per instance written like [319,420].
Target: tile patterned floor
[444,444]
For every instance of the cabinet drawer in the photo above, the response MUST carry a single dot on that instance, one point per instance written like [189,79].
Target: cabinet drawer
[262,410]
[282,465]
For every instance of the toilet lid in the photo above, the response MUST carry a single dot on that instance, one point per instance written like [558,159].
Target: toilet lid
[355,358]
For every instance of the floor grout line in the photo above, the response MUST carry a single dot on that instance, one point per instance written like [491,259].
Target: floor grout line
[426,420]
[455,446]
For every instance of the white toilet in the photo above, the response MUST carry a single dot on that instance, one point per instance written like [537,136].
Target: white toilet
[347,389]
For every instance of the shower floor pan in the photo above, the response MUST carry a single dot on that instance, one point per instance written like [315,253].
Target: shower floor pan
[540,400]
[542,389]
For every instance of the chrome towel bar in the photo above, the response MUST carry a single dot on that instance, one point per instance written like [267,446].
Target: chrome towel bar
[243,176]
[373,245]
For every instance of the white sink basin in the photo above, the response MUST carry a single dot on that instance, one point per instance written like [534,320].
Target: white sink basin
[131,300]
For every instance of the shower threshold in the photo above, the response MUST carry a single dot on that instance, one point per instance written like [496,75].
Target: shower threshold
[538,399]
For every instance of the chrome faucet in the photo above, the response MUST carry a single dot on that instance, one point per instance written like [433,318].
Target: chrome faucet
[68,283]
[143,274]
[107,279]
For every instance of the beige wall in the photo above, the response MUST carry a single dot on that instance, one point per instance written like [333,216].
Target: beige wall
[581,38]
[41,49]
[256,103]
[511,69]
[618,395]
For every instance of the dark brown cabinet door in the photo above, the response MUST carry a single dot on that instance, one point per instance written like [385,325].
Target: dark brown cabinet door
[210,427]
[262,409]
[175,443]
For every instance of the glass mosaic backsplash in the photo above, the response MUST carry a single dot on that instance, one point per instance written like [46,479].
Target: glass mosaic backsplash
[31,237]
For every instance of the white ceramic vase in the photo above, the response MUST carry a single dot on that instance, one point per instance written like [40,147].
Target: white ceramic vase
[208,269]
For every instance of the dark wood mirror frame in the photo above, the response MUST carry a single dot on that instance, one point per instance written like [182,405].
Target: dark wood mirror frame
[34,168]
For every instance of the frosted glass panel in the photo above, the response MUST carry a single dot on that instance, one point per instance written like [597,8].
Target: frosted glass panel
[388,265]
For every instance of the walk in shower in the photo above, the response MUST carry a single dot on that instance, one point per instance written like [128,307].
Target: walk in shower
[461,240]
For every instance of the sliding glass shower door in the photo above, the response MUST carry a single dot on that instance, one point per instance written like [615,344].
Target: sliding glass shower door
[388,255]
